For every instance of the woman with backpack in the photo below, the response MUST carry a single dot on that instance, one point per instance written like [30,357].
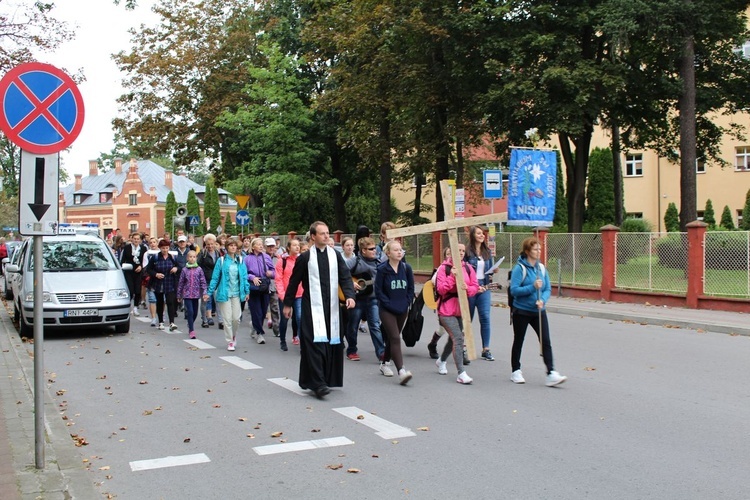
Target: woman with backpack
[530,290]
[260,272]
[449,311]
[229,281]
[162,271]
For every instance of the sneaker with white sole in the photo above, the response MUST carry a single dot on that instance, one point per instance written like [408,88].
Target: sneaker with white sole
[463,378]
[172,327]
[261,339]
[153,322]
[161,326]
[487,355]
[442,366]
[404,376]
[230,346]
[135,312]
[517,377]
[554,378]
[253,334]
[385,369]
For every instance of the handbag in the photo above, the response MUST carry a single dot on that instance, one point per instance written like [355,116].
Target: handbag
[265,282]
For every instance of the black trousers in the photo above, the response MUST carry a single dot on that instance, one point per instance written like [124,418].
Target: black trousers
[171,300]
[521,322]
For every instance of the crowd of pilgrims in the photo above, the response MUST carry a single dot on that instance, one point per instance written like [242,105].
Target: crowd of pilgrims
[374,292]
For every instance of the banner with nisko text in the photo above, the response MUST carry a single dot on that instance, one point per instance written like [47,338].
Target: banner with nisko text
[532,187]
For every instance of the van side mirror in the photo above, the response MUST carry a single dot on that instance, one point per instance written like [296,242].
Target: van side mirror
[127,267]
[11,268]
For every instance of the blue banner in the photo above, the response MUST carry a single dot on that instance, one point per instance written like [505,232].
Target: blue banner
[532,187]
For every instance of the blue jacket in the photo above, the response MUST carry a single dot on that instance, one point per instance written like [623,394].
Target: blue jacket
[220,280]
[524,293]
[395,291]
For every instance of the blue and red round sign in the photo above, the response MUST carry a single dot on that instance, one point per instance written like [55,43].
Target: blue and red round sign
[41,108]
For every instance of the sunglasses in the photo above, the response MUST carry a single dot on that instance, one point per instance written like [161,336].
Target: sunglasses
[371,248]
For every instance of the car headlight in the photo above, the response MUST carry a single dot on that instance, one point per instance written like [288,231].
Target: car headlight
[46,297]
[120,293]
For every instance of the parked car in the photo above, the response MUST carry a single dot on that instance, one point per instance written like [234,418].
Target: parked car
[83,285]
[8,277]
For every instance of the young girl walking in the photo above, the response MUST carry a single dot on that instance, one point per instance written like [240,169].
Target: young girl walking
[190,289]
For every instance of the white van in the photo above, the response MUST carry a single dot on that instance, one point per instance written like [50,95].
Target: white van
[84,286]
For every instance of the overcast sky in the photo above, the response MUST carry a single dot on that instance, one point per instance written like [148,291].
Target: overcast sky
[102,30]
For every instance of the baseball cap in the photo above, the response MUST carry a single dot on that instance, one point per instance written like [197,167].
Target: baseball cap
[270,242]
[182,238]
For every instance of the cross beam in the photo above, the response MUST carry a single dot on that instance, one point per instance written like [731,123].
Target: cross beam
[446,224]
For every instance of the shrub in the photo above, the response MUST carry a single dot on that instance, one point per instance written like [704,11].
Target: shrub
[672,218]
[708,215]
[726,219]
[629,248]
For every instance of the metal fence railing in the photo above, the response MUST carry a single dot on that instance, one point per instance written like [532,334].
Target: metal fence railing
[575,259]
[727,263]
[655,262]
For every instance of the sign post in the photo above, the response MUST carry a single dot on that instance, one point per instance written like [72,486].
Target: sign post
[41,111]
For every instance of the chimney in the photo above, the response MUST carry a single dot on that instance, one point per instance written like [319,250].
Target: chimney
[168,179]
[118,165]
[93,168]
[152,192]
[79,182]
[133,165]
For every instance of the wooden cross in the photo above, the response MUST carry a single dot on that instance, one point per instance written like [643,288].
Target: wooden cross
[451,225]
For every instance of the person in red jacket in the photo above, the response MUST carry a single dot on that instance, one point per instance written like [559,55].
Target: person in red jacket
[449,312]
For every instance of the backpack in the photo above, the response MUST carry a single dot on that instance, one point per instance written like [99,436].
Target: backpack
[542,271]
[412,330]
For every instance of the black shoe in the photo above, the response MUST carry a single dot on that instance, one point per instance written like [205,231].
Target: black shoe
[284,347]
[221,326]
[210,322]
[322,391]
[432,348]
[204,325]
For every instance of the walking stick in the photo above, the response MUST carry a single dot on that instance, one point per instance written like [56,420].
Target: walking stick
[538,298]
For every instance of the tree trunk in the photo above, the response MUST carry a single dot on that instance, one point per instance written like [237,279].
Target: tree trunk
[385,170]
[688,209]
[577,170]
[617,175]
[459,164]
[339,205]
[442,159]
[416,212]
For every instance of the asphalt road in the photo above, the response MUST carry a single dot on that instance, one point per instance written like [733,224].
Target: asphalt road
[647,412]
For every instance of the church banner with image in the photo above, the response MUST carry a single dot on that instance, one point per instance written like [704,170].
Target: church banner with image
[532,187]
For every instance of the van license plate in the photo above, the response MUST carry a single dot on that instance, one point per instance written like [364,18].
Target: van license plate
[81,312]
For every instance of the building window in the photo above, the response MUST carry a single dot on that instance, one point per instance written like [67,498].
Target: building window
[223,199]
[700,214]
[77,199]
[739,217]
[132,199]
[104,197]
[423,181]
[634,165]
[743,50]
[742,159]
[635,215]
[133,227]
[700,166]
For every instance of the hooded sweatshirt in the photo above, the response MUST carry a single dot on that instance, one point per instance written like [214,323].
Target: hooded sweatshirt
[447,290]
[394,290]
[524,293]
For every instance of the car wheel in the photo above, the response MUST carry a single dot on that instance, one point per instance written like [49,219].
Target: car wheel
[16,313]
[123,327]
[8,290]
[25,330]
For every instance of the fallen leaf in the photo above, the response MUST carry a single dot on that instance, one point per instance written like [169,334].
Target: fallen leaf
[217,406]
[147,412]
[106,467]
[375,456]
[186,440]
[334,466]
[590,369]
[175,388]
[315,430]
[124,428]
[395,441]
[360,417]
[107,387]
[243,419]
[251,436]
[423,428]
[61,392]
[158,408]
[352,471]
[107,352]
[143,382]
[276,434]
[108,477]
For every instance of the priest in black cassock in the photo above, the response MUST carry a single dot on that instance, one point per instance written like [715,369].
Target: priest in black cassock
[321,270]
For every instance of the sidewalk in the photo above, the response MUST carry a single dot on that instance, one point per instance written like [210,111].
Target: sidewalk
[64,475]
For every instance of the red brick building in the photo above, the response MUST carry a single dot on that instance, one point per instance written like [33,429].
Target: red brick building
[130,197]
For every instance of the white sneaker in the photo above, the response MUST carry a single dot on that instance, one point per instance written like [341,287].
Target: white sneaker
[517,377]
[442,366]
[463,378]
[135,312]
[554,379]
[385,369]
[404,376]
[172,327]
[261,339]
[153,322]
[252,334]
[161,326]
[230,346]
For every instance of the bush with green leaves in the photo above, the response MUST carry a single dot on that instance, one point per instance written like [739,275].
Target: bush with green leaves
[672,218]
[708,215]
[726,219]
[745,226]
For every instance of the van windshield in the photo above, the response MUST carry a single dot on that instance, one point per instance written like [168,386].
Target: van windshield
[75,256]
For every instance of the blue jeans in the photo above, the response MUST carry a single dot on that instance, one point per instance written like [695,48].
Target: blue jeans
[258,304]
[482,302]
[297,311]
[368,308]
[191,312]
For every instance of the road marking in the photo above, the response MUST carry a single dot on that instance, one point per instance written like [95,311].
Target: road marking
[199,344]
[242,363]
[143,318]
[290,385]
[302,445]
[158,463]
[386,429]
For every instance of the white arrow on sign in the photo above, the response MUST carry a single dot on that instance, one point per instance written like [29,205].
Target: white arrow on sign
[38,193]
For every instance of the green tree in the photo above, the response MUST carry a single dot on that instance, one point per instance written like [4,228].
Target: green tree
[671,218]
[561,203]
[193,206]
[229,226]
[708,215]
[746,213]
[600,194]
[10,163]
[211,213]
[8,210]
[726,219]
[170,210]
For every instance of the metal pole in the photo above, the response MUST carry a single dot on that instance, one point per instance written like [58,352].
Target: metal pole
[38,354]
